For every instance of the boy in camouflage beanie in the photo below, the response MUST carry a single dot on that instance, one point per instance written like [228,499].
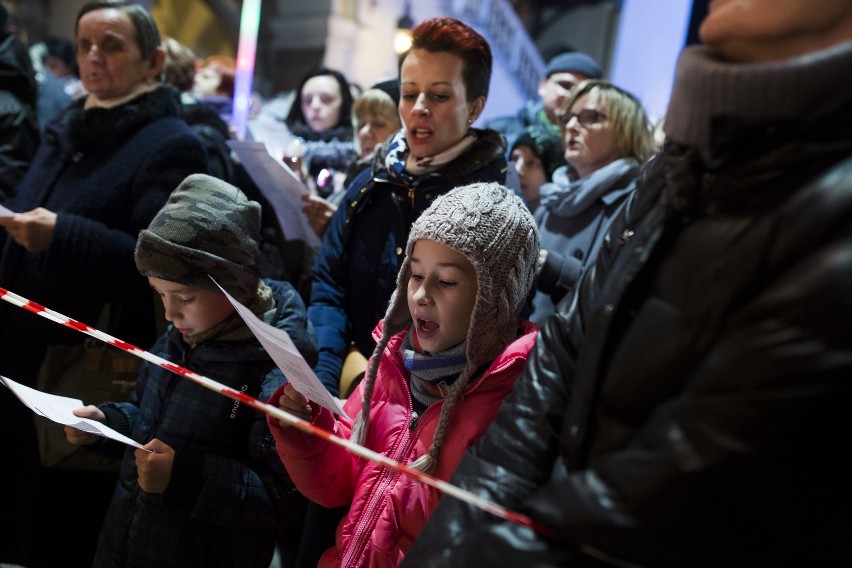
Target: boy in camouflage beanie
[207,228]
[204,449]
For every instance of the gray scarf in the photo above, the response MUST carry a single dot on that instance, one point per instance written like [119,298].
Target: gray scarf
[573,199]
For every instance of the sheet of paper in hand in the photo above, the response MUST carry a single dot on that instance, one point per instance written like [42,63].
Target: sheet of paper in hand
[283,351]
[5,212]
[59,409]
[281,188]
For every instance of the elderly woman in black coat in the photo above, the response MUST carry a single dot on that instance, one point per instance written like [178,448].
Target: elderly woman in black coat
[102,171]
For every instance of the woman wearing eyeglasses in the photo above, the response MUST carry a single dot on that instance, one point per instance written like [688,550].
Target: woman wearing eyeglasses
[607,138]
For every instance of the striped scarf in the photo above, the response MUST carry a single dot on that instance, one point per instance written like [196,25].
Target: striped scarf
[431,373]
[403,166]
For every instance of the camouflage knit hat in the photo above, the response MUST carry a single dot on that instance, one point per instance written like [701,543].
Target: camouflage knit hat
[207,227]
[490,226]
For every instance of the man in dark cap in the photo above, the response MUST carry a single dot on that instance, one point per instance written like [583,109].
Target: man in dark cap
[562,73]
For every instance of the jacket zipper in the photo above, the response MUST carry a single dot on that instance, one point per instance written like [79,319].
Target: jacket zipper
[372,508]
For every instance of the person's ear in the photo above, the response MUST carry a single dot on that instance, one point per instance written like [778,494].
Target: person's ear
[541,87]
[158,61]
[475,109]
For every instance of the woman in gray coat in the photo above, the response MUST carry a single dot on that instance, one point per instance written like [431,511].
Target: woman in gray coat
[607,138]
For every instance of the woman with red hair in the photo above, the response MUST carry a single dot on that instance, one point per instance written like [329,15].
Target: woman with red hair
[443,84]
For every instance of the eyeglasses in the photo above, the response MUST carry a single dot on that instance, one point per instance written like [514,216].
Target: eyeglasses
[586,117]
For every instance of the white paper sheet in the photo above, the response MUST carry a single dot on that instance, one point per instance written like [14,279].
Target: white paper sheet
[271,130]
[281,188]
[283,351]
[58,409]
[5,212]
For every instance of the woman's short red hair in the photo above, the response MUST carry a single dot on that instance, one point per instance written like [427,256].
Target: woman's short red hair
[451,35]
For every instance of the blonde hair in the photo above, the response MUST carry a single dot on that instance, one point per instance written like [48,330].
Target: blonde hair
[630,123]
[375,102]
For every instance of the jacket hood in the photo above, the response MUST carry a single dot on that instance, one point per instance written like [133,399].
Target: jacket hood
[243,341]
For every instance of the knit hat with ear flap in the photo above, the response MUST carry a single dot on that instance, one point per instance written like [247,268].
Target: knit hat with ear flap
[490,226]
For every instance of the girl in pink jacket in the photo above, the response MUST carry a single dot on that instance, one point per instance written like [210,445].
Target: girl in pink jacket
[448,351]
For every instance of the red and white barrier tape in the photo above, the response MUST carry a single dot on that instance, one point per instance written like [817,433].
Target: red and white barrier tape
[275,412]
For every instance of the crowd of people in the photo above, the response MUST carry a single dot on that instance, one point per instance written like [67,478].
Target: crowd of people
[641,349]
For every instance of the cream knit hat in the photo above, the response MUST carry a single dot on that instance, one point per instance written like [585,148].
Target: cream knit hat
[490,226]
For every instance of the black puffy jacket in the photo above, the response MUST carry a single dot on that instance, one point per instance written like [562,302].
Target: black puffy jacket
[688,406]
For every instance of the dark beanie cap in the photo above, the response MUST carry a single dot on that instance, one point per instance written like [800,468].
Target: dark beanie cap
[207,227]
[546,145]
[574,62]
[391,87]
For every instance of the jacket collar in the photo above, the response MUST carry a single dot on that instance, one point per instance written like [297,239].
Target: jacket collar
[100,127]
[513,355]
[715,102]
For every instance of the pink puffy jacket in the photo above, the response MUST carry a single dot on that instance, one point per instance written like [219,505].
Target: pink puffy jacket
[389,508]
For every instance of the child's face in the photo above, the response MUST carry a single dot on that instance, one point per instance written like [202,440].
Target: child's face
[191,310]
[441,295]
[530,170]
